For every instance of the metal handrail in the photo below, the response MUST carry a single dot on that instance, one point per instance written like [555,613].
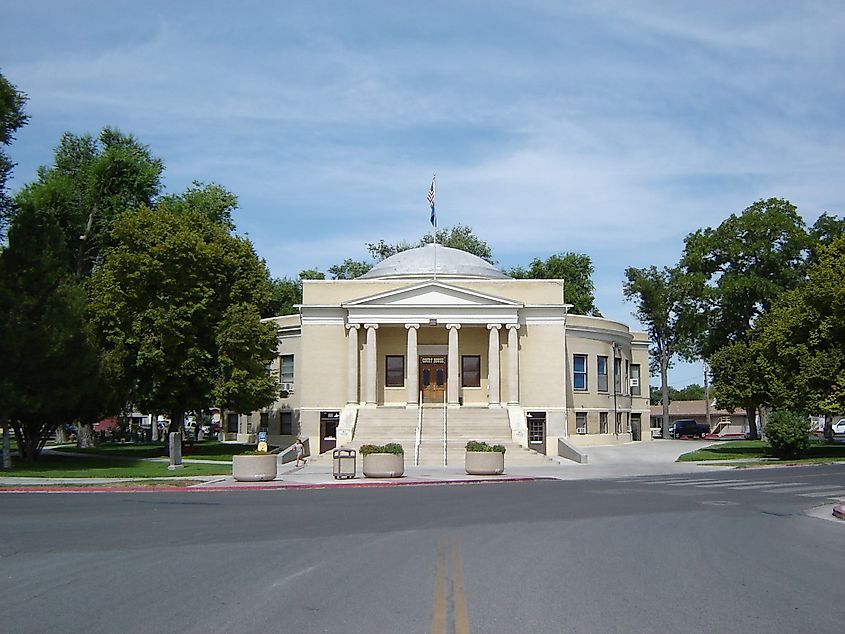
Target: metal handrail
[445,430]
[419,432]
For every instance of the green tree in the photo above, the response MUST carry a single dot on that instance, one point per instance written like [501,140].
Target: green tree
[349,269]
[740,269]
[739,381]
[211,200]
[788,433]
[12,118]
[692,392]
[176,305]
[460,237]
[49,374]
[576,269]
[312,274]
[800,341]
[660,300]
[286,294]
[91,183]
[382,250]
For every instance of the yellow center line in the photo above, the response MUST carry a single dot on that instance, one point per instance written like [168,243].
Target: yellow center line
[438,618]
[440,614]
[458,595]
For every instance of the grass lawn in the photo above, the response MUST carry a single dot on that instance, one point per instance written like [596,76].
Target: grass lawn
[820,451]
[58,466]
[205,450]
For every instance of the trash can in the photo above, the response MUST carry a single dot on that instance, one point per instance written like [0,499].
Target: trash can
[343,461]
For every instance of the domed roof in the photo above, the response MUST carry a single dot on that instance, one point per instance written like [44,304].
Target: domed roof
[419,262]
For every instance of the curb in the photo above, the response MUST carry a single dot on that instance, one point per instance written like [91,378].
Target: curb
[839,511]
[255,487]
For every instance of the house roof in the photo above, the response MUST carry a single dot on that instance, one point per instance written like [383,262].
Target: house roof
[689,408]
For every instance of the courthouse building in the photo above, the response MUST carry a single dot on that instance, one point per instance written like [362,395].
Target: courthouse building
[434,346]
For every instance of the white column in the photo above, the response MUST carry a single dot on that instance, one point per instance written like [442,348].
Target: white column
[513,364]
[352,363]
[452,379]
[372,365]
[493,385]
[413,365]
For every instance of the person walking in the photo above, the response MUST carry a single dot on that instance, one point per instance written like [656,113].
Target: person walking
[299,448]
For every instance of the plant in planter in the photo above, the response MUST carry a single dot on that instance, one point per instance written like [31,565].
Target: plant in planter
[254,466]
[383,461]
[484,459]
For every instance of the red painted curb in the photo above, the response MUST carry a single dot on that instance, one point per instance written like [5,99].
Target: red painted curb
[261,487]
[839,511]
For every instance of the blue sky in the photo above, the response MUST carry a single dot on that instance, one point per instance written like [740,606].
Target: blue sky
[608,128]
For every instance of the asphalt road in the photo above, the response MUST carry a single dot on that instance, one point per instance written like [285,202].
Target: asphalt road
[717,552]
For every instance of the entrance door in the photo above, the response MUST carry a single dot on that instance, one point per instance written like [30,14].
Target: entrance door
[433,379]
[537,431]
[328,430]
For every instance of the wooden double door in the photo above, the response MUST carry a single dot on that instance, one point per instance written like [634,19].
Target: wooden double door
[433,378]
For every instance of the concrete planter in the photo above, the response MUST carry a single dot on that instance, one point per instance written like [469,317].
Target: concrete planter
[485,462]
[260,468]
[384,465]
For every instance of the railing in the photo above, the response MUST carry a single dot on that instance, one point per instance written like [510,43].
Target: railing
[445,434]
[419,433]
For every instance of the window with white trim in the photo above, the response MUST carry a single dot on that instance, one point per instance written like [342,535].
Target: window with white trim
[579,372]
[601,374]
[635,380]
[581,422]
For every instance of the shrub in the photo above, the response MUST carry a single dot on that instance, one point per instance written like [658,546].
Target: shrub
[254,452]
[475,445]
[391,447]
[788,434]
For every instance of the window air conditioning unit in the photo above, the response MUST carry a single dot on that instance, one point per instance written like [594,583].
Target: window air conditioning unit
[635,383]
[286,387]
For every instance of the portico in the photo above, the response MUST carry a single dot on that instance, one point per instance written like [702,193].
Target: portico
[451,347]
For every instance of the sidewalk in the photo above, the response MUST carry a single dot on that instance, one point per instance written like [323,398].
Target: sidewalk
[613,461]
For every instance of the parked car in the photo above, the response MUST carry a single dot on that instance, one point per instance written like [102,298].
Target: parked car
[839,426]
[688,427]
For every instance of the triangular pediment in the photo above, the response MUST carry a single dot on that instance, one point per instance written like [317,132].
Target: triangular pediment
[431,294]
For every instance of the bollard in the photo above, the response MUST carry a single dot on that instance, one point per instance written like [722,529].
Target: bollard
[175,450]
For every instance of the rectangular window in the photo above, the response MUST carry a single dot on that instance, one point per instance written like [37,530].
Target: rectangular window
[581,422]
[394,370]
[618,422]
[601,371]
[602,422]
[617,375]
[627,422]
[579,372]
[286,423]
[265,422]
[232,423]
[286,368]
[635,380]
[470,371]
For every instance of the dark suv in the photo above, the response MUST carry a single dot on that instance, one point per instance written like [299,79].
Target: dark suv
[688,427]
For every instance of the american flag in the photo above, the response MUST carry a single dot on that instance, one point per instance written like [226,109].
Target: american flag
[431,194]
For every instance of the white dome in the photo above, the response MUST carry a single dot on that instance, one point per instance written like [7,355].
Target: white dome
[419,263]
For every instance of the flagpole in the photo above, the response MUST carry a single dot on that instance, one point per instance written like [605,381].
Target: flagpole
[432,192]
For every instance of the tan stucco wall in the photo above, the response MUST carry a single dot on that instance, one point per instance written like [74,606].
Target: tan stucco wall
[541,366]
[331,292]
[323,366]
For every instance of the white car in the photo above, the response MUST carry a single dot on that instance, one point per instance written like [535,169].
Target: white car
[839,426]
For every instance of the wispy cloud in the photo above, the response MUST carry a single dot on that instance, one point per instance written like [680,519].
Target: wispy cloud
[610,128]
